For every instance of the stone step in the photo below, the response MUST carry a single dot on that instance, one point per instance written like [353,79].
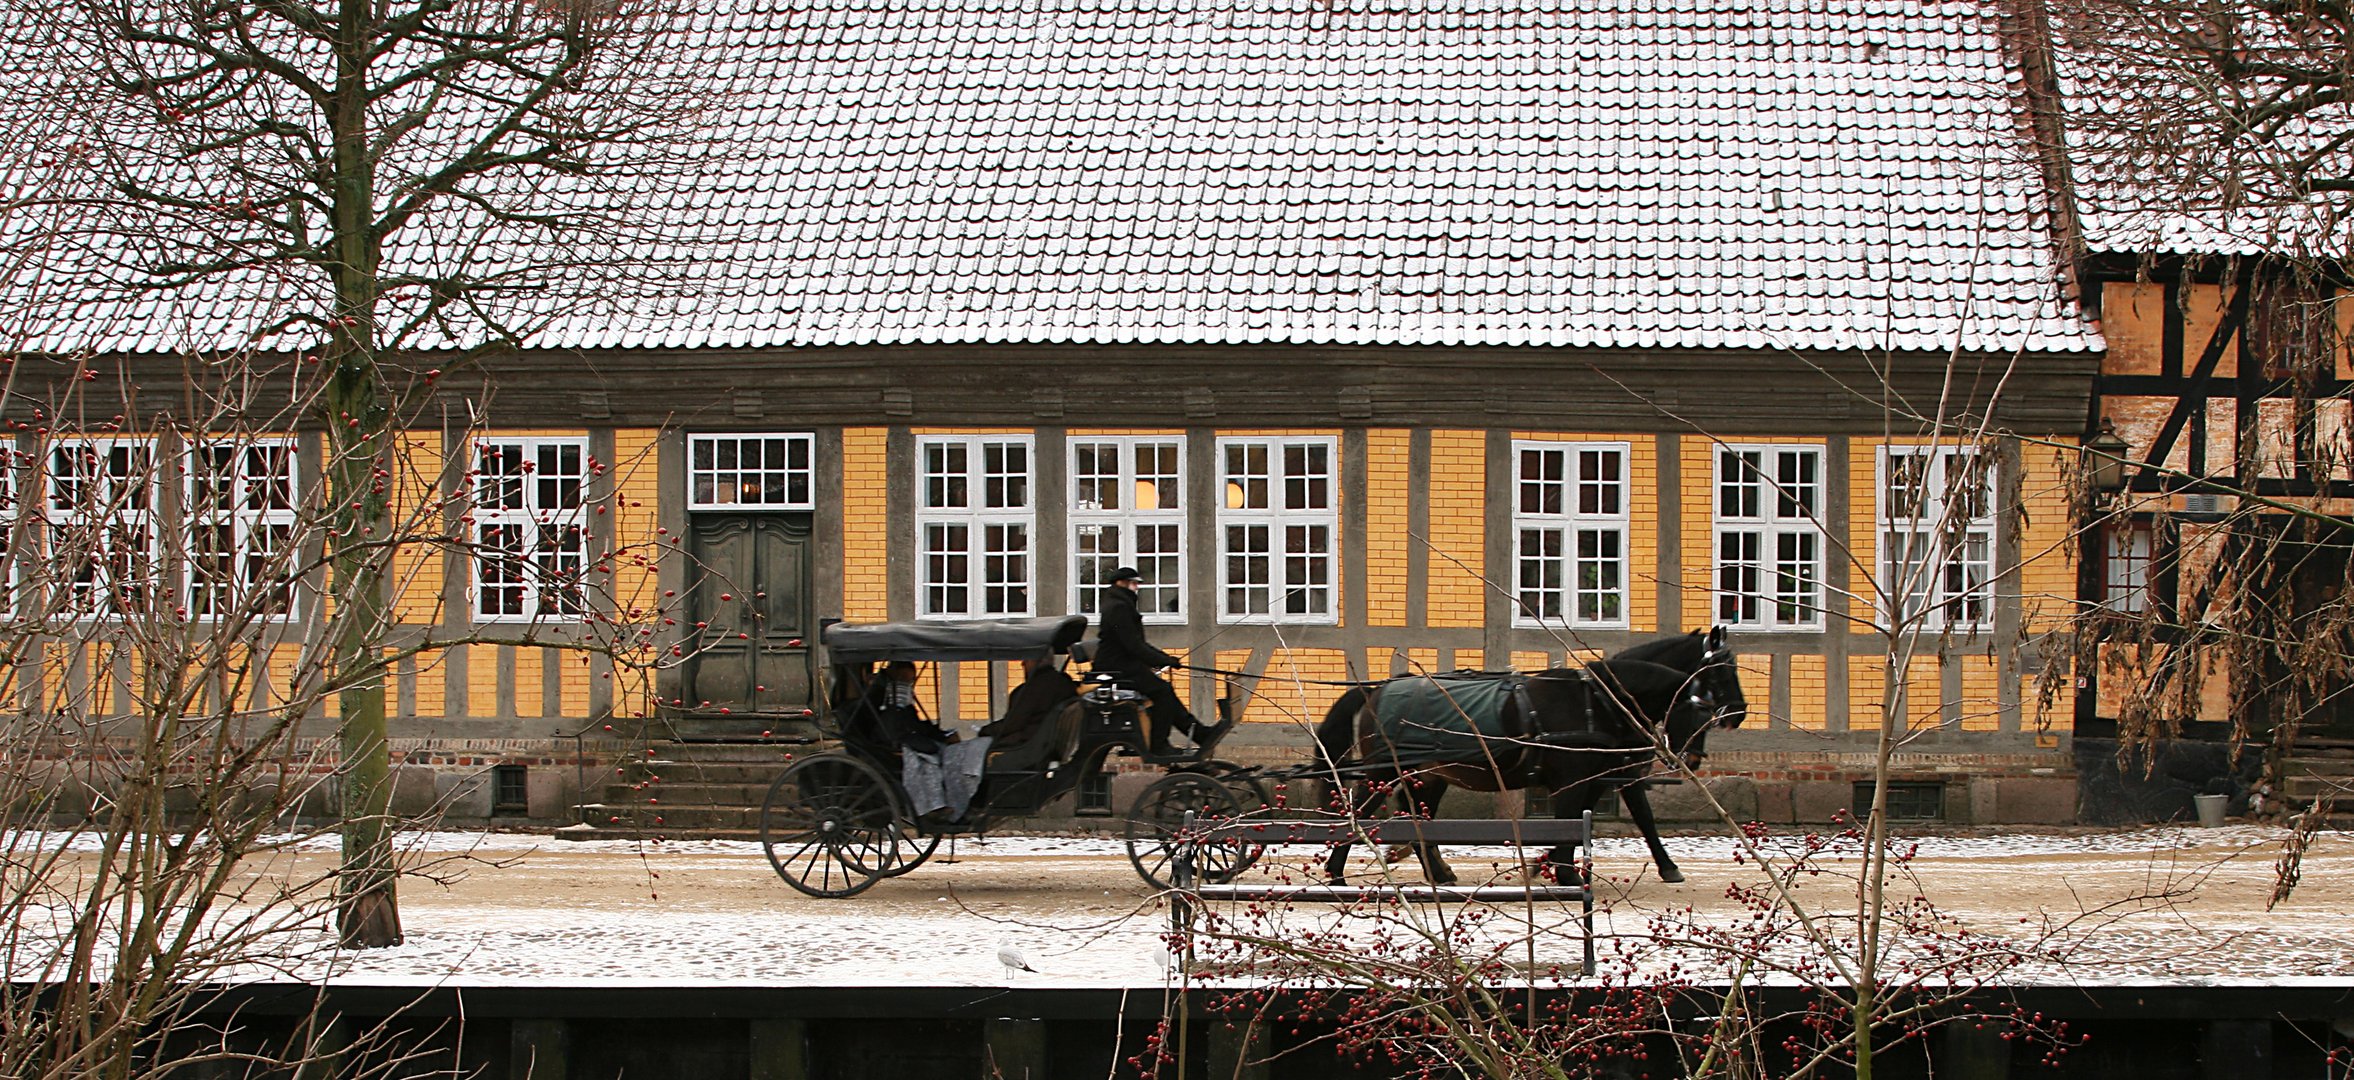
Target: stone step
[688,793]
[675,817]
[703,772]
[2303,789]
[719,752]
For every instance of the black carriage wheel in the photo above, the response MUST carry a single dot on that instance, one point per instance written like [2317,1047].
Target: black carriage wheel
[914,848]
[1250,790]
[829,822]
[1158,812]
[908,846]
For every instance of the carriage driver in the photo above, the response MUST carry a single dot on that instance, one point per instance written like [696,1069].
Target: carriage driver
[1120,649]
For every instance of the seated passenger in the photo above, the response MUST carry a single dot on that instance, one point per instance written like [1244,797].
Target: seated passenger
[939,771]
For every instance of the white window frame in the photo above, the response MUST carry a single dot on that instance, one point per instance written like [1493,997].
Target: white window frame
[2128,554]
[247,561]
[720,484]
[1288,512]
[535,560]
[1948,598]
[991,506]
[1162,599]
[1771,513]
[1567,524]
[133,507]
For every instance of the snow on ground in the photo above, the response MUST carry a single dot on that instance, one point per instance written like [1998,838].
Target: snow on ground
[531,909]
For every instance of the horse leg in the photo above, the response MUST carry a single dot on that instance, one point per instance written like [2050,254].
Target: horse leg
[1425,801]
[1638,806]
[1569,804]
[1362,798]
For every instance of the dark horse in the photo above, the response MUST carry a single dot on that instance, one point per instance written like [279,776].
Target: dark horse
[1594,728]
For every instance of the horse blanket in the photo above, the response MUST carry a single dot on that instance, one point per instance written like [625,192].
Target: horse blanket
[1444,717]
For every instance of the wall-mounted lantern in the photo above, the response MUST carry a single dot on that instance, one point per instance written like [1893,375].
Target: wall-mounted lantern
[2105,457]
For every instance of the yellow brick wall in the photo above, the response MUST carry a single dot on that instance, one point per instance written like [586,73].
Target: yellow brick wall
[1643,497]
[528,666]
[1387,547]
[972,692]
[1863,543]
[1696,458]
[418,502]
[482,680]
[1525,660]
[1456,593]
[1809,687]
[865,540]
[1757,685]
[2047,541]
[1981,693]
[1866,678]
[1471,659]
[636,513]
[573,704]
[432,685]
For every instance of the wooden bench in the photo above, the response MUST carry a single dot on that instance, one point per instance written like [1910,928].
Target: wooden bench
[1525,833]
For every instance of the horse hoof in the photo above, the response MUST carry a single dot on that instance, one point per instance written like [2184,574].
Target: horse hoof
[1671,875]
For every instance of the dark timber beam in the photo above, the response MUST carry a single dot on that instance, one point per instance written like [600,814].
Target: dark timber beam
[2195,394]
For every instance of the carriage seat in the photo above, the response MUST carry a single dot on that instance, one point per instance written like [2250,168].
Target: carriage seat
[1053,742]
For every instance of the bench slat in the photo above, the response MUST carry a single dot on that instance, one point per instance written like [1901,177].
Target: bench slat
[1413,893]
[1538,832]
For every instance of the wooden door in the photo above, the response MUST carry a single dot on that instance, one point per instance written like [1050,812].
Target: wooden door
[751,615]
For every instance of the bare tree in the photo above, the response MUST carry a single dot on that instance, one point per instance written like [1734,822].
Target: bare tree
[375,191]
[168,743]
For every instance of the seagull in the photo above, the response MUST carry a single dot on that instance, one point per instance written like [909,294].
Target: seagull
[1011,956]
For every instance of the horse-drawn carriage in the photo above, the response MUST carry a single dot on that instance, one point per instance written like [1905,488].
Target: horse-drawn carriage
[836,822]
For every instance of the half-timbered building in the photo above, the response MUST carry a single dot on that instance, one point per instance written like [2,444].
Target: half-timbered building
[1378,338]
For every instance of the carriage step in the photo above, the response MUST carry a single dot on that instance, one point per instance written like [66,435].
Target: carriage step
[1405,893]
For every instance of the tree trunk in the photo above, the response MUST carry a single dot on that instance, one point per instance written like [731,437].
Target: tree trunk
[367,915]
[357,421]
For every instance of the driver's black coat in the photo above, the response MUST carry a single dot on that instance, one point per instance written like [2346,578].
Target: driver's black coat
[1120,644]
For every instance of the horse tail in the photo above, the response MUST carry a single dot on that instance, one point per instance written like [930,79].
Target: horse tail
[1336,736]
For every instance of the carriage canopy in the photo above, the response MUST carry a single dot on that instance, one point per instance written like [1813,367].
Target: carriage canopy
[991,639]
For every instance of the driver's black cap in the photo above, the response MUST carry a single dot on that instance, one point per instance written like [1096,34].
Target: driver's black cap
[1125,573]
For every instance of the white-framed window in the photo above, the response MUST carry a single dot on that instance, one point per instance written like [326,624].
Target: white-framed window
[1128,509]
[1769,537]
[770,471]
[530,535]
[974,517]
[1569,525]
[2125,570]
[99,495]
[240,512]
[1937,534]
[1278,529]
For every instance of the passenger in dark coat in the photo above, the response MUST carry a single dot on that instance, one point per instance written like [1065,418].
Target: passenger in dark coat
[1122,650]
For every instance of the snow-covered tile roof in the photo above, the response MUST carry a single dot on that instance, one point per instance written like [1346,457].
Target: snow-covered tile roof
[1756,174]
[2166,157]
